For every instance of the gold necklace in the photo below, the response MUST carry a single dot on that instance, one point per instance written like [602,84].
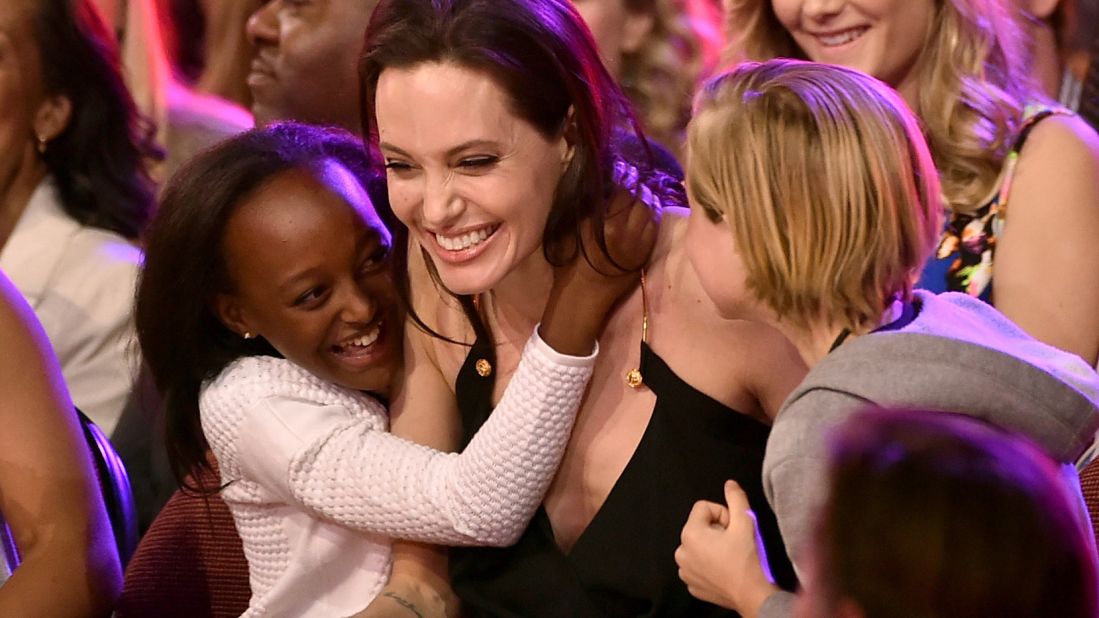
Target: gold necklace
[634,379]
[482,366]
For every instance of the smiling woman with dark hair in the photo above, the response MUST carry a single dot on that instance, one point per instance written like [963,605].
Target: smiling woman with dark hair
[74,192]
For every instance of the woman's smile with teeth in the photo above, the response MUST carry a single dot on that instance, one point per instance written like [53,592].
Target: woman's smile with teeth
[839,38]
[465,241]
[365,340]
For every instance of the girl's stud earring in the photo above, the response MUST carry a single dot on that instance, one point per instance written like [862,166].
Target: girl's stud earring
[248,335]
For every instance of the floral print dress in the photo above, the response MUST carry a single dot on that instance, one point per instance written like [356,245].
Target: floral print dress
[963,260]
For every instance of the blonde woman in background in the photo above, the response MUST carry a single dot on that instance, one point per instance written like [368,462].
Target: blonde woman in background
[962,66]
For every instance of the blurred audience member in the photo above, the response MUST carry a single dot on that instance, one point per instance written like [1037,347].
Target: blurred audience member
[73,151]
[1060,32]
[973,487]
[1046,23]
[228,55]
[305,61]
[187,121]
[67,562]
[208,46]
[656,50]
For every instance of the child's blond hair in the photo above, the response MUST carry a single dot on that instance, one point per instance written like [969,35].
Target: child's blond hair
[825,182]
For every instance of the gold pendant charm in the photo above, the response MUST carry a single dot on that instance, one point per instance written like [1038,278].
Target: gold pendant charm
[484,368]
[633,378]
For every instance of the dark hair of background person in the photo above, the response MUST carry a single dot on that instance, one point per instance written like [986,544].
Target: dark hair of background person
[184,31]
[182,340]
[208,46]
[934,514]
[99,162]
[541,54]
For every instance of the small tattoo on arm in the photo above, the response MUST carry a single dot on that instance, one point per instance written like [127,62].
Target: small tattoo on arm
[403,602]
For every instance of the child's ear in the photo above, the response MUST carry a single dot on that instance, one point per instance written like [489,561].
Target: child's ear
[52,117]
[229,312]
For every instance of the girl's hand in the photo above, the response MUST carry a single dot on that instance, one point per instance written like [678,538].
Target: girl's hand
[722,559]
[586,289]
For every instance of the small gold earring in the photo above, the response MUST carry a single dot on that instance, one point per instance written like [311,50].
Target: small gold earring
[248,334]
[42,141]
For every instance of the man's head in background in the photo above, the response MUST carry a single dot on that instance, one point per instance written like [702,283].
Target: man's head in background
[305,61]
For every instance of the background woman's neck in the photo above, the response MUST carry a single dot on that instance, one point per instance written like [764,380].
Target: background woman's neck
[16,193]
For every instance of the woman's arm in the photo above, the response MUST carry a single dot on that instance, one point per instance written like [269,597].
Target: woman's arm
[48,490]
[1047,258]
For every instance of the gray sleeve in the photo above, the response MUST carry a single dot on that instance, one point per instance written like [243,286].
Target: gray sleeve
[778,605]
[796,467]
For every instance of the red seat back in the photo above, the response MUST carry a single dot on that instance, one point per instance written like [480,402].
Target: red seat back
[190,562]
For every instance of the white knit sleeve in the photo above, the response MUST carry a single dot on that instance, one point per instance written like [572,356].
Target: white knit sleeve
[486,495]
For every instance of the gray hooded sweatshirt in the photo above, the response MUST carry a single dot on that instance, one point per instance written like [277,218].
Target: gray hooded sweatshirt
[957,355]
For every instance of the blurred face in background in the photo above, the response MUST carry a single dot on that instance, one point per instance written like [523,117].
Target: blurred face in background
[883,38]
[18,91]
[305,61]
[26,113]
[618,26]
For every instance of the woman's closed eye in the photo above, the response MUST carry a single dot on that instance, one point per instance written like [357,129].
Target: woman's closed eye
[478,163]
[397,167]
